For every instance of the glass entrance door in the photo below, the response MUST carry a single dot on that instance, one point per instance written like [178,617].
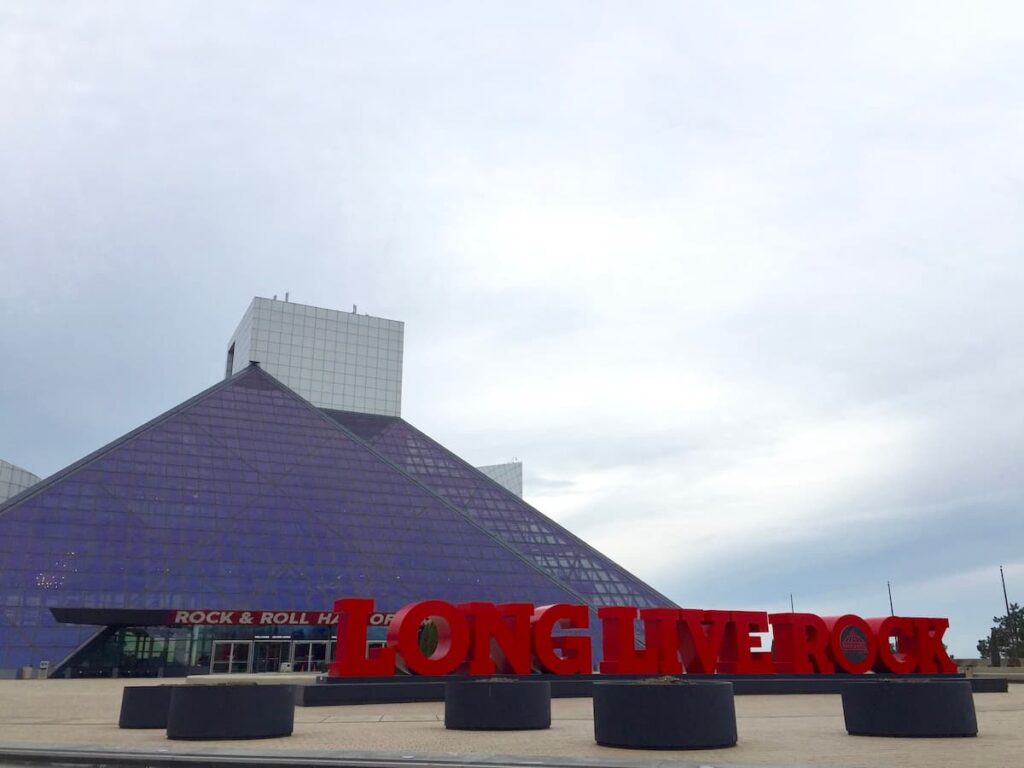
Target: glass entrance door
[310,656]
[269,655]
[230,656]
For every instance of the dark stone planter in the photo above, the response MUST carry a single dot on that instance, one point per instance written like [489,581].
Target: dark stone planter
[497,705]
[665,715]
[145,706]
[231,711]
[910,708]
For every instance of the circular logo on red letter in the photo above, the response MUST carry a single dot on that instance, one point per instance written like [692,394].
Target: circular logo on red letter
[854,644]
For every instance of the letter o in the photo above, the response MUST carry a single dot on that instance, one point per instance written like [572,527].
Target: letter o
[846,631]
[452,637]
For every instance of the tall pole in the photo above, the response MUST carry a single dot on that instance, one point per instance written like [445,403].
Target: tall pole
[888,586]
[1010,628]
[791,608]
[1005,598]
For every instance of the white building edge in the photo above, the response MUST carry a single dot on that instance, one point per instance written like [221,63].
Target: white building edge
[509,475]
[14,480]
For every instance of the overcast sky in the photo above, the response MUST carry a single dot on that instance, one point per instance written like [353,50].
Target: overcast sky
[740,283]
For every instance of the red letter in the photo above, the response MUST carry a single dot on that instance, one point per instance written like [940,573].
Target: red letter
[350,648]
[903,661]
[851,644]
[561,654]
[927,646]
[452,637]
[499,637]
[801,643]
[700,639]
[618,634]
[736,656]
[661,635]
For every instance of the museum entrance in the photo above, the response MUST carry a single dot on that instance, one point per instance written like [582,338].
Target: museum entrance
[240,656]
[309,656]
[270,654]
[230,656]
[156,650]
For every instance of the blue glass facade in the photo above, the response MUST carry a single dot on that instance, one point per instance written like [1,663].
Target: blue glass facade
[592,577]
[247,496]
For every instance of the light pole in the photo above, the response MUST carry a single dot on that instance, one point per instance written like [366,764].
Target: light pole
[1010,627]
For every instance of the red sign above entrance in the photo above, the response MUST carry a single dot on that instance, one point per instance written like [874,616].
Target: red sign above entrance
[518,638]
[266,618]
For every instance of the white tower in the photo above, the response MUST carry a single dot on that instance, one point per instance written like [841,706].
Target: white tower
[339,360]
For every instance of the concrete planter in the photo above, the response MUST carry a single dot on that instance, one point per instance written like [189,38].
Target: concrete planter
[910,708]
[497,705]
[145,706]
[665,714]
[231,711]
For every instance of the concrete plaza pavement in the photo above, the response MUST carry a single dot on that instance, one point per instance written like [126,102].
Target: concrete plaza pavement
[804,730]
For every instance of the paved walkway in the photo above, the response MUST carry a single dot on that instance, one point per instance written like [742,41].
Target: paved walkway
[773,730]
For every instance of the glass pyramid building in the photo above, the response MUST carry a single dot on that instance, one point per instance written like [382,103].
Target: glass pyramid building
[248,496]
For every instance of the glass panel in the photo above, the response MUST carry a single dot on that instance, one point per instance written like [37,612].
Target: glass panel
[309,656]
[270,654]
[221,662]
[240,657]
[300,656]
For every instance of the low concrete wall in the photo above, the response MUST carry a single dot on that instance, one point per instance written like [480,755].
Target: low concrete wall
[407,689]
